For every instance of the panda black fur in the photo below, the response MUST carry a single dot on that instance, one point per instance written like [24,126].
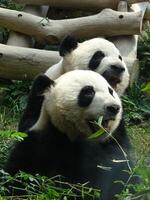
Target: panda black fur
[58,144]
[96,54]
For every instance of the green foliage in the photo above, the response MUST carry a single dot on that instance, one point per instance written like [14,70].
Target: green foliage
[146,88]
[7,138]
[44,188]
[140,140]
[5,145]
[15,95]
[13,134]
[8,118]
[136,105]
[10,5]
[144,57]
[3,35]
[141,189]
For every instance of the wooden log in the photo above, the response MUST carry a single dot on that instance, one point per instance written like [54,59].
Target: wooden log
[108,22]
[144,7]
[19,39]
[22,40]
[147,13]
[78,4]
[133,67]
[20,63]
[128,47]
[126,44]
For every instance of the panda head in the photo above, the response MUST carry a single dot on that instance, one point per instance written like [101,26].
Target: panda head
[98,55]
[75,100]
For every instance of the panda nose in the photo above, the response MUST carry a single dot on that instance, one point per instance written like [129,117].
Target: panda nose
[117,68]
[112,110]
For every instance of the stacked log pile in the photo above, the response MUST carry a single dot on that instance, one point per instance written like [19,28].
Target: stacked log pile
[18,61]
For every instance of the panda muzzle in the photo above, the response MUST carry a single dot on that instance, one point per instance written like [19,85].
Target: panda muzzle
[94,126]
[112,79]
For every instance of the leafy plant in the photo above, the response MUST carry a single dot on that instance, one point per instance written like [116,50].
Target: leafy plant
[136,105]
[15,95]
[7,139]
[141,189]
[13,134]
[146,88]
[144,56]
[10,5]
[3,35]
[43,188]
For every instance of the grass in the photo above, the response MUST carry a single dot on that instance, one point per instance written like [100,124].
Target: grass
[8,121]
[140,139]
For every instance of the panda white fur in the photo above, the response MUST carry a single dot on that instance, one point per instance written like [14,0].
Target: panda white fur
[66,106]
[58,144]
[96,54]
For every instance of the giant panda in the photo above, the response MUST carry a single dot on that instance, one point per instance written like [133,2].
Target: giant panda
[99,55]
[58,142]
[96,54]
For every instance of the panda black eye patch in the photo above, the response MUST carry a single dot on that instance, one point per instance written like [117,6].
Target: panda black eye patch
[86,96]
[96,60]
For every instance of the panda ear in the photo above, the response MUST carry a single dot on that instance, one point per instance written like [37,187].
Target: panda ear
[67,45]
[40,84]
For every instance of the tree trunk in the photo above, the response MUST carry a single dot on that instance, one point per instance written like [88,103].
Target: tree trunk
[20,63]
[106,23]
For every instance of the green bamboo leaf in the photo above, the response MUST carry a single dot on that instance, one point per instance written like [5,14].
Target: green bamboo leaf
[100,132]
[96,134]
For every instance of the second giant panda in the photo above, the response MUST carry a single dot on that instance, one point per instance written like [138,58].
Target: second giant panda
[58,142]
[96,54]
